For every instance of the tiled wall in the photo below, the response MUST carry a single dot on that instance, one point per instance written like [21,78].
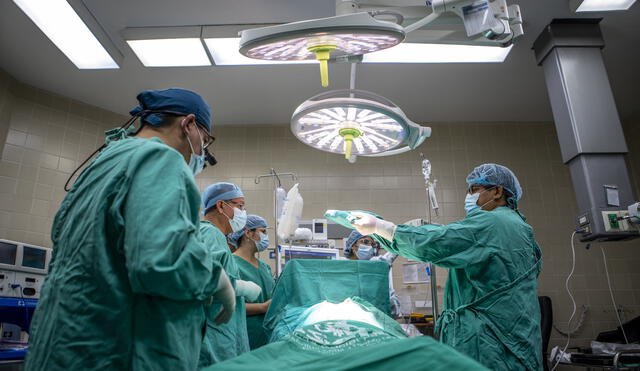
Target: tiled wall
[6,98]
[46,136]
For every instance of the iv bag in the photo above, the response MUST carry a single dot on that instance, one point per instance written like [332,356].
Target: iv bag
[281,196]
[291,214]
[426,169]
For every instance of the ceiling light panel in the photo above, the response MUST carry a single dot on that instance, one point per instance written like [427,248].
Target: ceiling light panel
[179,52]
[604,5]
[439,53]
[62,25]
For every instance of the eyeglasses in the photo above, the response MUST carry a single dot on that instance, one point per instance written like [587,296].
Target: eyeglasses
[369,242]
[233,204]
[207,138]
[477,188]
[474,188]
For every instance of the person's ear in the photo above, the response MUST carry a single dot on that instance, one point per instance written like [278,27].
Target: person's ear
[219,206]
[186,121]
[498,192]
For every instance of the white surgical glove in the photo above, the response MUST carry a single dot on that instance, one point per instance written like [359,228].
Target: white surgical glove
[394,300]
[224,294]
[367,224]
[249,290]
[388,258]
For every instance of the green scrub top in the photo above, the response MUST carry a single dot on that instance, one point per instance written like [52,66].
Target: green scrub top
[129,276]
[230,339]
[263,277]
[491,311]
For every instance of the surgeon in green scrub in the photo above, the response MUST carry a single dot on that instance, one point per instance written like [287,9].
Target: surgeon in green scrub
[249,242]
[491,310]
[224,213]
[129,278]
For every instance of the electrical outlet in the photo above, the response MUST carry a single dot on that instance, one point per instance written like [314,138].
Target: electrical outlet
[613,221]
[624,223]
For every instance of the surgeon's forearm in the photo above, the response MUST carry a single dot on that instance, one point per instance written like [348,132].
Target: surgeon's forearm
[450,246]
[254,309]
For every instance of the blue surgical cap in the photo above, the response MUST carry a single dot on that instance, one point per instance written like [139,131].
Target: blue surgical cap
[253,222]
[219,191]
[353,237]
[180,101]
[497,175]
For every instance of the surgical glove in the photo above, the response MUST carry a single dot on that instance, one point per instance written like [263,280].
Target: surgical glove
[367,224]
[388,258]
[248,289]
[394,300]
[224,294]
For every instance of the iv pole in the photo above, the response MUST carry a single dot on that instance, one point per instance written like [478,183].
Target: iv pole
[430,188]
[276,184]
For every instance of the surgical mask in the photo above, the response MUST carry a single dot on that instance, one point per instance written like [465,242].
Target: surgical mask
[262,243]
[239,219]
[196,162]
[364,252]
[471,201]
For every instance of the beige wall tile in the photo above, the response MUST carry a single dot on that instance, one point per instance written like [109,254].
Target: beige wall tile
[9,169]
[12,153]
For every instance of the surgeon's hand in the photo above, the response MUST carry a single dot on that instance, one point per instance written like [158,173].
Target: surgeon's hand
[266,305]
[248,289]
[367,224]
[224,294]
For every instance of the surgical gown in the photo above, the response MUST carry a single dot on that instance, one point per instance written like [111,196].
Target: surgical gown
[129,276]
[491,310]
[263,277]
[394,300]
[230,339]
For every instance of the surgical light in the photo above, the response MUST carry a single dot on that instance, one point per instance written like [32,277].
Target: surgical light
[62,25]
[439,53]
[355,123]
[321,39]
[601,5]
[178,52]
[224,51]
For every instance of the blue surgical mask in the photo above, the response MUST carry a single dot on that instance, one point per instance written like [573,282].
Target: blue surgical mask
[196,162]
[471,202]
[365,252]
[239,219]
[263,242]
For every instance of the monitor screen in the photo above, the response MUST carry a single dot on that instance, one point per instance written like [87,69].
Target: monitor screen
[292,254]
[8,253]
[34,258]
[319,227]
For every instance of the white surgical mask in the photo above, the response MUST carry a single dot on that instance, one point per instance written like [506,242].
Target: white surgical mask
[239,219]
[196,162]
